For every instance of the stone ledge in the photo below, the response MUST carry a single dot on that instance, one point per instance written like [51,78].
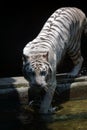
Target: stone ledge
[13,82]
[18,88]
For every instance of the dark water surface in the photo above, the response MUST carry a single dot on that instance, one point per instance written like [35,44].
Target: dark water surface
[72,115]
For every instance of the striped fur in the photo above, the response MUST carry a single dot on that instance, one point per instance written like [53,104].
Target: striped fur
[61,34]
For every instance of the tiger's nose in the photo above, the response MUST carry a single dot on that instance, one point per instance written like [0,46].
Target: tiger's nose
[36,85]
[39,85]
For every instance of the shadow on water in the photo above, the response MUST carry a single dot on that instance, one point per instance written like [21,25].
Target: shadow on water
[16,116]
[9,106]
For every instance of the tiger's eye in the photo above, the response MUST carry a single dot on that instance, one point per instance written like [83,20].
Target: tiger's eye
[27,68]
[31,72]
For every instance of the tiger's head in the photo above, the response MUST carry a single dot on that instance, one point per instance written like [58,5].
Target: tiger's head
[37,70]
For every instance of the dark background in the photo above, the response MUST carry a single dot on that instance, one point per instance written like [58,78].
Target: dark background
[20,22]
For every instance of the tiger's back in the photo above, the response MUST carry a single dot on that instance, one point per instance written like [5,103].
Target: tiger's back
[63,31]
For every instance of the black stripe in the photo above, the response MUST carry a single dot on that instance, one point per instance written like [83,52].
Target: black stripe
[62,23]
[60,33]
[49,21]
[45,30]
[48,40]
[72,41]
[59,27]
[67,16]
[74,53]
[75,59]
[72,14]
[53,35]
[75,47]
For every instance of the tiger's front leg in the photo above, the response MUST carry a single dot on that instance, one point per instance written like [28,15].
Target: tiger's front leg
[46,107]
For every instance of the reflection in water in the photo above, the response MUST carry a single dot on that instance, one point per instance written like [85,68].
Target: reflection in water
[72,115]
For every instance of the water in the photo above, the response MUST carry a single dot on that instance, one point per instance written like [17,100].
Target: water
[72,115]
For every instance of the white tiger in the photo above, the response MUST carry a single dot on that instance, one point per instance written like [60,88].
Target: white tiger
[61,34]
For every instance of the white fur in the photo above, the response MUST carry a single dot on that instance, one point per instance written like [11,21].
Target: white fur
[60,34]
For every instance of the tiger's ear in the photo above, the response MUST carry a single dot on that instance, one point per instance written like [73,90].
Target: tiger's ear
[45,56]
[24,57]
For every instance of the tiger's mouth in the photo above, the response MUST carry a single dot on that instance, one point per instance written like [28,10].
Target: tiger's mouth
[45,88]
[39,87]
